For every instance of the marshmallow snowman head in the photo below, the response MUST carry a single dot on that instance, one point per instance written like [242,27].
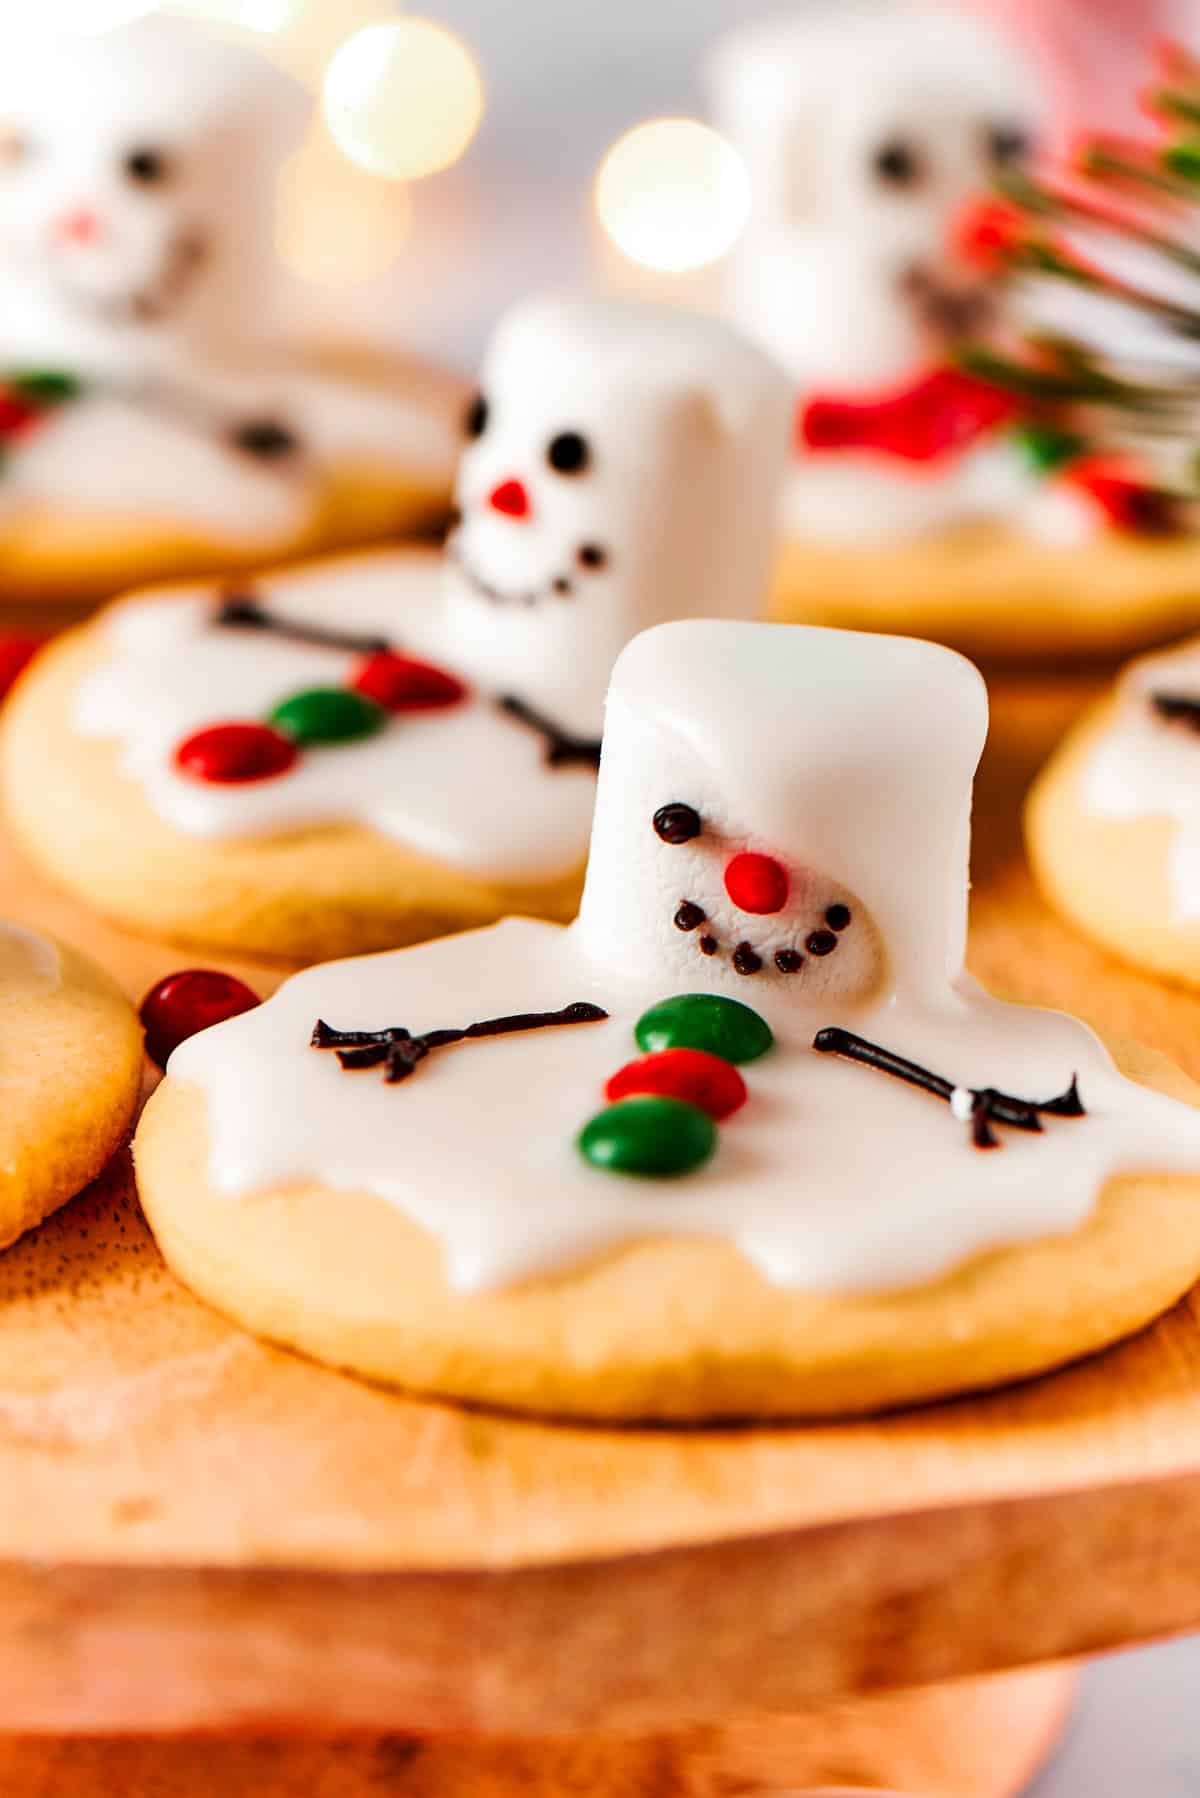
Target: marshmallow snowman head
[868,128]
[623,468]
[785,810]
[134,194]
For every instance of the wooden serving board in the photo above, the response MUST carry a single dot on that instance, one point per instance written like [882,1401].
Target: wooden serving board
[197,1530]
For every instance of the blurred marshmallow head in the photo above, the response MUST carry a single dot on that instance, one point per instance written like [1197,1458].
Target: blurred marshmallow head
[623,467]
[135,193]
[870,128]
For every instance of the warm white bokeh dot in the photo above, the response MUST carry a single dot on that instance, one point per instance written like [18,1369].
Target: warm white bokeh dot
[335,224]
[92,16]
[673,195]
[403,99]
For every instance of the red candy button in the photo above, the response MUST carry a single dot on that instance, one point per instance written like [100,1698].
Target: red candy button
[227,753]
[401,685]
[693,1075]
[15,654]
[183,1004]
[757,883]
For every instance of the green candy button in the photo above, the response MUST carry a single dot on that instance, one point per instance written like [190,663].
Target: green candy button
[723,1027]
[653,1136]
[328,715]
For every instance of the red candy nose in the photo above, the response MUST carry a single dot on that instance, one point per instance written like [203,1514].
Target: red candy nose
[511,498]
[79,225]
[757,883]
[985,232]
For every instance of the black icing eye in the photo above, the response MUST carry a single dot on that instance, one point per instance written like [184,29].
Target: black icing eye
[897,163]
[476,421]
[148,167]
[677,823]
[1008,144]
[568,453]
[590,555]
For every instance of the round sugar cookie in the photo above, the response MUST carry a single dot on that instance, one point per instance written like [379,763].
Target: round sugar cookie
[743,1140]
[995,594]
[668,1329]
[70,1074]
[1113,821]
[375,750]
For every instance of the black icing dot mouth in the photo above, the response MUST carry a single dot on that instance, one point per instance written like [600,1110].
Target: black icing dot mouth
[745,958]
[558,587]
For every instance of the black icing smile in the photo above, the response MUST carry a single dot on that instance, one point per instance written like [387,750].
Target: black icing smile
[183,259]
[746,959]
[589,556]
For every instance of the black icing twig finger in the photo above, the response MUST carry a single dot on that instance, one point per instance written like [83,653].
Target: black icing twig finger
[399,1052]
[561,747]
[241,611]
[981,1107]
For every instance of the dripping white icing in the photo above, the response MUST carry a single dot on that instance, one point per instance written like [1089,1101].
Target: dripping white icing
[1147,766]
[847,758]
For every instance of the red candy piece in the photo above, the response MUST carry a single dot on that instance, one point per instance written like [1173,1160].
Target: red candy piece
[1127,502]
[757,883]
[17,413]
[400,684]
[985,233]
[228,753]
[183,1004]
[16,653]
[940,415]
[693,1075]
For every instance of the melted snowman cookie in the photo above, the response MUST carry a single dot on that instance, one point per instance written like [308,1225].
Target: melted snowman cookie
[1114,821]
[70,1071]
[919,498]
[373,751]
[146,403]
[689,1187]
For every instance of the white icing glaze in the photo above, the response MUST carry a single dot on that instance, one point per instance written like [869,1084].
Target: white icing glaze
[686,431]
[166,308]
[819,276]
[850,760]
[1146,766]
[27,961]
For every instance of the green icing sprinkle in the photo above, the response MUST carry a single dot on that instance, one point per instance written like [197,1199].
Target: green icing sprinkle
[328,715]
[1047,449]
[653,1136]
[49,386]
[723,1027]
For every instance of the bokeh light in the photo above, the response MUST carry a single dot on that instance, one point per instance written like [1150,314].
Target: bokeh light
[335,224]
[673,195]
[403,99]
[89,16]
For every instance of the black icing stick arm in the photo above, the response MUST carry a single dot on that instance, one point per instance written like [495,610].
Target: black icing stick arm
[399,1052]
[562,749]
[981,1107]
[246,612]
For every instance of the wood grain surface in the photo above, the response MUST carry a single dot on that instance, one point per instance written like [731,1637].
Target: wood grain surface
[198,1531]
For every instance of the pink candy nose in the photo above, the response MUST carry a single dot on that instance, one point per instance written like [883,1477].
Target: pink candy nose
[78,225]
[511,498]
[757,883]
